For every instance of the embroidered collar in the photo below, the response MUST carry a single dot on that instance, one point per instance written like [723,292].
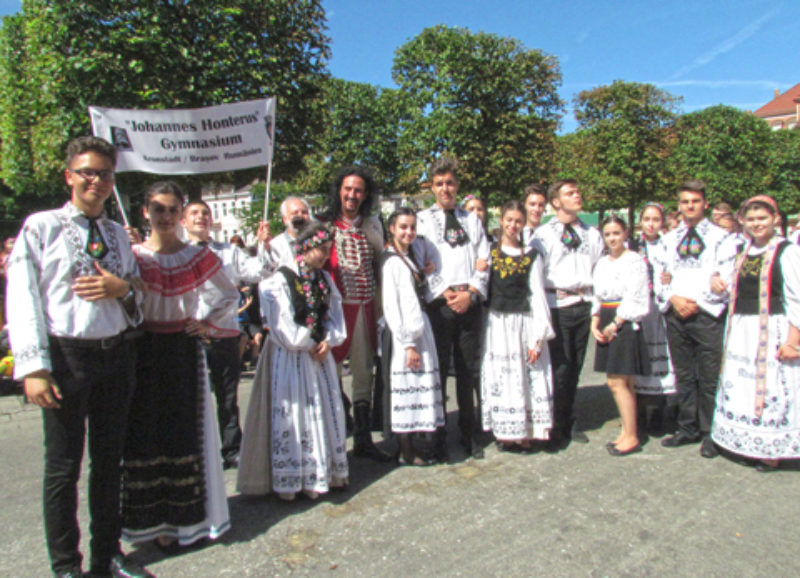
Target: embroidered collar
[74,212]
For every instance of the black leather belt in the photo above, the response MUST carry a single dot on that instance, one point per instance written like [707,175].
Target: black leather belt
[104,343]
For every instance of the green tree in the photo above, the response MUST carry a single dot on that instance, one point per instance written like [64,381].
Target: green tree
[729,149]
[70,54]
[487,100]
[362,123]
[784,163]
[623,144]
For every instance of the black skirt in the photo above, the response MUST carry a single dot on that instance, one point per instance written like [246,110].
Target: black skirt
[626,354]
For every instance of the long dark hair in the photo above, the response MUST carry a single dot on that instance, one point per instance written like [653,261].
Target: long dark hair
[164,188]
[334,207]
[615,220]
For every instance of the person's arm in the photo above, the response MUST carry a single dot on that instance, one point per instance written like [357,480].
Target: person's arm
[251,269]
[635,304]
[220,297]
[790,268]
[540,328]
[335,328]
[479,282]
[26,316]
[401,309]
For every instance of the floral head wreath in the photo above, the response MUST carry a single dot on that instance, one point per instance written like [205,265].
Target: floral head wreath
[766,199]
[658,206]
[467,199]
[319,238]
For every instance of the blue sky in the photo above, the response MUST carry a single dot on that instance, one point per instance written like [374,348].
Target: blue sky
[734,52]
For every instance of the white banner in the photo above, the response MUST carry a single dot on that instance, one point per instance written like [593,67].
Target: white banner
[189,141]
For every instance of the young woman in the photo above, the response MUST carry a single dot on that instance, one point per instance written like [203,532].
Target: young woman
[653,391]
[294,435]
[621,301]
[415,388]
[516,382]
[172,485]
[757,413]
[475,205]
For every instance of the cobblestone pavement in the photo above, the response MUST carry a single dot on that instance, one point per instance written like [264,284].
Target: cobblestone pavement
[662,512]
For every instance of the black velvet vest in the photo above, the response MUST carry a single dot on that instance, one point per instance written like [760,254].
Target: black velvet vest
[747,290]
[301,309]
[509,288]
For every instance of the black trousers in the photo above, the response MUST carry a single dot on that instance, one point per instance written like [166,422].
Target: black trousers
[462,334]
[96,385]
[572,325]
[224,366]
[695,345]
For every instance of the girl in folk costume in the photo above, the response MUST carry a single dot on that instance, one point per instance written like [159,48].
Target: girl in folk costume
[657,390]
[516,381]
[415,397]
[294,435]
[621,301]
[172,484]
[757,412]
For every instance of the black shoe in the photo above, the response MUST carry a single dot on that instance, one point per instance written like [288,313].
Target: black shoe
[763,468]
[512,449]
[366,449]
[679,439]
[579,437]
[709,449]
[122,567]
[231,463]
[363,446]
[75,572]
[474,449]
[555,444]
[619,453]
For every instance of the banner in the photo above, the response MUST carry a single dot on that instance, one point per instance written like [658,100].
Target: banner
[189,141]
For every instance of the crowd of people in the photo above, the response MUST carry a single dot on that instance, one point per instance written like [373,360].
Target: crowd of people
[697,328]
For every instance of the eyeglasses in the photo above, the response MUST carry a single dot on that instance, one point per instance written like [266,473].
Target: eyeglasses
[91,174]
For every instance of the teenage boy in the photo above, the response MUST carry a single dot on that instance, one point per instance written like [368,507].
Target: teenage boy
[695,253]
[571,250]
[72,305]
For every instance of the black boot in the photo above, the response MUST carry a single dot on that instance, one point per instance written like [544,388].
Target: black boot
[348,418]
[362,437]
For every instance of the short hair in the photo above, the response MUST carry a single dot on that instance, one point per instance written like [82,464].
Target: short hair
[238,241]
[694,186]
[554,190]
[86,144]
[334,207]
[198,202]
[442,166]
[613,219]
[164,188]
[534,189]
[285,204]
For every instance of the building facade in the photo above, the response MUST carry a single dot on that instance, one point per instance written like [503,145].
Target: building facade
[783,111]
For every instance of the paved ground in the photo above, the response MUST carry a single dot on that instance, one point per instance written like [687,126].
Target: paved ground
[578,513]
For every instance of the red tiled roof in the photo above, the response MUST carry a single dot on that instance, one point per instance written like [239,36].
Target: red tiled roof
[782,104]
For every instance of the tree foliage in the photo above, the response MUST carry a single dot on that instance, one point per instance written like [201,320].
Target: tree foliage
[623,143]
[487,100]
[784,163]
[727,148]
[362,124]
[153,54]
